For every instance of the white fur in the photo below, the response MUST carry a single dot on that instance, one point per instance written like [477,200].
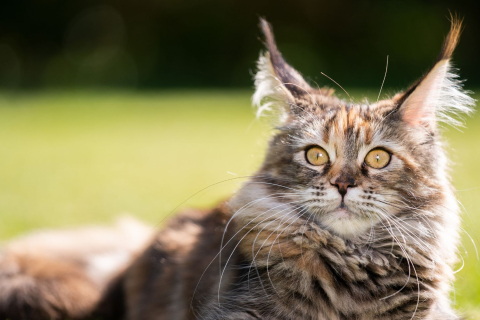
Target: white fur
[102,266]
[103,251]
[270,95]
[439,96]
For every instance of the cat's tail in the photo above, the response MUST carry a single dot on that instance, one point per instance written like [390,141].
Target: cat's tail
[69,274]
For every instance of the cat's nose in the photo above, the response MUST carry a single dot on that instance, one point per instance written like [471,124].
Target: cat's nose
[343,184]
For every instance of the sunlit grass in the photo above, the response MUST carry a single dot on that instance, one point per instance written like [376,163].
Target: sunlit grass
[71,158]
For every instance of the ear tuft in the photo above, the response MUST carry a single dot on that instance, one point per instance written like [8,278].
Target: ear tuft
[270,95]
[277,83]
[453,101]
[439,96]
[290,77]
[452,38]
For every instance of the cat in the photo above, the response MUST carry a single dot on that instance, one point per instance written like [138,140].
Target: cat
[351,216]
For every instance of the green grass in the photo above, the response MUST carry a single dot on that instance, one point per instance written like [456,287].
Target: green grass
[73,158]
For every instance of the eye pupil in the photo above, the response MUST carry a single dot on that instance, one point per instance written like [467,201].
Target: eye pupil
[377,158]
[316,156]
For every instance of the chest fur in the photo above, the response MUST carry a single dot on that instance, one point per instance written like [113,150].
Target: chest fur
[314,274]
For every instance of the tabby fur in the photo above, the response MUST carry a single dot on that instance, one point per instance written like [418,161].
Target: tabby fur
[290,244]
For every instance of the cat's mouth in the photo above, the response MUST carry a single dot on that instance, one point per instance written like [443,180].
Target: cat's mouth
[345,221]
[342,211]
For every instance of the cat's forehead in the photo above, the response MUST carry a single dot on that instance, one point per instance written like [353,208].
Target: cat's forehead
[335,121]
[334,111]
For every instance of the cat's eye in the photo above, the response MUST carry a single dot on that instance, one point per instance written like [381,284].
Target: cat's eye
[316,156]
[377,158]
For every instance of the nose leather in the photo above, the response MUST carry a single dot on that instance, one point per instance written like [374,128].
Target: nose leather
[343,183]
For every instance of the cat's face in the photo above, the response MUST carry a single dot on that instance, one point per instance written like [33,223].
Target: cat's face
[351,166]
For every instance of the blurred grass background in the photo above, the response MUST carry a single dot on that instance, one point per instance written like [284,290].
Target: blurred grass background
[71,158]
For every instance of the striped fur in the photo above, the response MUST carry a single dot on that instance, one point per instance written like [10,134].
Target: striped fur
[390,254]
[292,243]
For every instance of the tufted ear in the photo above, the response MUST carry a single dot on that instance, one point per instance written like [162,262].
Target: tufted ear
[438,96]
[277,84]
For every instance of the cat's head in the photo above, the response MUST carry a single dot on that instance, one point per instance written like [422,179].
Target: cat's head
[350,165]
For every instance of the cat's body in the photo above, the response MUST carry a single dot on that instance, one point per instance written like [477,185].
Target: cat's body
[351,216]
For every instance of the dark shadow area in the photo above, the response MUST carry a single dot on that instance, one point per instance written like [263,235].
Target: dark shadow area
[213,43]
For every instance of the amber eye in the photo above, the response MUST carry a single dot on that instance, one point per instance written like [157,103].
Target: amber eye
[377,158]
[317,156]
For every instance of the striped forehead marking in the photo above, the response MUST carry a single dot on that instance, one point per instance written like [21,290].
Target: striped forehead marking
[349,122]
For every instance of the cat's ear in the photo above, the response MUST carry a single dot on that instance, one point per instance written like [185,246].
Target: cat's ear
[277,84]
[438,96]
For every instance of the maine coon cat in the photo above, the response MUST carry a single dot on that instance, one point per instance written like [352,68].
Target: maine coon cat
[351,216]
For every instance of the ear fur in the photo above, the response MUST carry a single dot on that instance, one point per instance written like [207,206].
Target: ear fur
[439,95]
[277,83]
[270,94]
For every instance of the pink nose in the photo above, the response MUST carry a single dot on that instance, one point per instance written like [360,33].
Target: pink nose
[343,184]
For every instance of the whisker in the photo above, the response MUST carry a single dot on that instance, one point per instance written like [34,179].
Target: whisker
[293,84]
[239,211]
[198,192]
[473,242]
[300,214]
[409,262]
[236,246]
[337,85]
[201,277]
[301,241]
[463,265]
[384,77]
[253,246]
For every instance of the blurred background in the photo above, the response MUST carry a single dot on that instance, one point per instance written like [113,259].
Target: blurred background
[152,44]
[110,108]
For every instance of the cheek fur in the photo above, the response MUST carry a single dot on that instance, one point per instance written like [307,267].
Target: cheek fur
[378,193]
[322,198]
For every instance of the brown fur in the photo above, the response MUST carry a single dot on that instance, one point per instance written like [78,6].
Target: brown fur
[39,287]
[160,284]
[290,244]
[452,38]
[69,274]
